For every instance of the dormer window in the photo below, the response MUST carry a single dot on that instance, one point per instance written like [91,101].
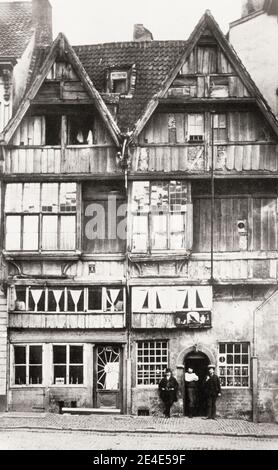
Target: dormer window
[119,82]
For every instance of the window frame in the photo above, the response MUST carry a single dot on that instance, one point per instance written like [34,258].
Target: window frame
[65,289]
[27,346]
[195,126]
[149,215]
[233,365]
[68,365]
[216,130]
[41,216]
[162,364]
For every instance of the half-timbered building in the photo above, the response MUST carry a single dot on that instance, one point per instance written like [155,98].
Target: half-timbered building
[139,214]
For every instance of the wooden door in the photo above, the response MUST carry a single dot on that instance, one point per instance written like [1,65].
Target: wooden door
[107,388]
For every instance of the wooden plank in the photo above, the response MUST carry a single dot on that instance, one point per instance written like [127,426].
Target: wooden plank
[200,87]
[255,157]
[230,159]
[246,159]
[57,161]
[37,139]
[180,127]
[29,160]
[38,155]
[30,130]
[238,149]
[257,224]
[50,160]
[24,132]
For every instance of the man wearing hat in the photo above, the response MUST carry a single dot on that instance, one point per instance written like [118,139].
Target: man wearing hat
[168,389]
[213,390]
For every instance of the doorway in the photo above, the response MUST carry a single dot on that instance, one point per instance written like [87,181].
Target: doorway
[199,362]
[107,389]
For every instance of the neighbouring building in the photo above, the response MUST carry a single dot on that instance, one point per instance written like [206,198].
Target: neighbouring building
[255,39]
[139,214]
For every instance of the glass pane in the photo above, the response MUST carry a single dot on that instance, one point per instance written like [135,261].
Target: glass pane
[222,348]
[178,196]
[237,381]
[95,299]
[60,375]
[35,375]
[244,359]
[245,348]
[76,375]
[31,197]
[230,359]
[245,382]
[68,233]
[37,297]
[31,232]
[50,197]
[159,232]
[49,232]
[75,300]
[244,370]
[140,200]
[68,197]
[76,354]
[237,348]
[230,382]
[13,199]
[140,232]
[159,197]
[20,375]
[59,354]
[230,348]
[13,227]
[237,359]
[20,354]
[35,355]
[56,300]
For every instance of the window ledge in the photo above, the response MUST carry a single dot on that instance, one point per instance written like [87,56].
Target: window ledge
[40,256]
[163,256]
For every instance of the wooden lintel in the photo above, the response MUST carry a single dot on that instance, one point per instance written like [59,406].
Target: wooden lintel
[32,177]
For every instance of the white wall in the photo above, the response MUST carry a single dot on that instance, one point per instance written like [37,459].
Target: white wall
[256,42]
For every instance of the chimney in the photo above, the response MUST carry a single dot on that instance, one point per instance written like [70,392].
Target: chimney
[42,21]
[140,33]
[250,6]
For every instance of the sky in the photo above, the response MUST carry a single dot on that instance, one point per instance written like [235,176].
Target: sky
[98,21]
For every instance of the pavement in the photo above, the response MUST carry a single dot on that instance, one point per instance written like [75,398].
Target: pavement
[136,424]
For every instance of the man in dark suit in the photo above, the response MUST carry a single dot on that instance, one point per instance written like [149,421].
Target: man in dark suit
[213,390]
[168,389]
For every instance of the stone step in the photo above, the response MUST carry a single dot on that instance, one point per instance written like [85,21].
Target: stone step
[90,411]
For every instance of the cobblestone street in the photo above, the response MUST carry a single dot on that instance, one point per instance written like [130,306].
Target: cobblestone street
[77,440]
[127,424]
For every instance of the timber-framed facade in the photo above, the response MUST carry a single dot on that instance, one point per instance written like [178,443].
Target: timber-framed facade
[140,230]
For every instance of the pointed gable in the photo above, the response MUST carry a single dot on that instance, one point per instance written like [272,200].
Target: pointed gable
[208,69]
[62,78]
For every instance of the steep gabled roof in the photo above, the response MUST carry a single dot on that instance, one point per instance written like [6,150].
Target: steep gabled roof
[153,61]
[208,21]
[61,44]
[15,28]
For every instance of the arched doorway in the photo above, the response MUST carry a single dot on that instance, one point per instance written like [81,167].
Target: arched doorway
[198,361]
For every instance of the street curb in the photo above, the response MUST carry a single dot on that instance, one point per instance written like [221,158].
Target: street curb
[138,431]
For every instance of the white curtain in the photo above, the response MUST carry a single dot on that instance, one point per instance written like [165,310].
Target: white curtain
[36,294]
[75,294]
[57,295]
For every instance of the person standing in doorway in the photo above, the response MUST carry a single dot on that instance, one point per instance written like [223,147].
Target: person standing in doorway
[213,390]
[168,389]
[191,383]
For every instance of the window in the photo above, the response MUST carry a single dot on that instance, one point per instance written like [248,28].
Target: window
[219,87]
[40,216]
[220,127]
[195,127]
[68,364]
[80,130]
[53,129]
[27,365]
[152,360]
[160,215]
[234,364]
[118,82]
[68,299]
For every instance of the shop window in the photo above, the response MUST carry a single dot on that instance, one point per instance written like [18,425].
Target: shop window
[234,367]
[196,127]
[160,215]
[68,364]
[67,299]
[53,129]
[40,216]
[152,360]
[27,365]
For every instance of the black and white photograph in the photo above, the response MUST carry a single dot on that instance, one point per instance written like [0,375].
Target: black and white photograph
[139,228]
